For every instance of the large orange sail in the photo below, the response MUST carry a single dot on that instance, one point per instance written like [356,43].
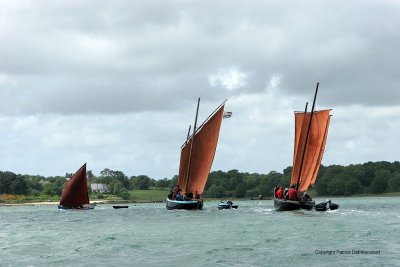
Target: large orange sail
[75,193]
[203,151]
[315,146]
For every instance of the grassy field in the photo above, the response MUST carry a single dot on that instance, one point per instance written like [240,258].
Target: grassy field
[18,199]
[151,195]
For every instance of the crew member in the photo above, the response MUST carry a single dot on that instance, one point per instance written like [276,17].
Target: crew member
[279,193]
[292,194]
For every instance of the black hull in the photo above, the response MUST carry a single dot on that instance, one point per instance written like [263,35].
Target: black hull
[120,207]
[61,207]
[184,205]
[285,205]
[327,205]
[227,205]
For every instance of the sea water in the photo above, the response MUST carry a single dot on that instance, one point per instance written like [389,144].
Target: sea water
[362,232]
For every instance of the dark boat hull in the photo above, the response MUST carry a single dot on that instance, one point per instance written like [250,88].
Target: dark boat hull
[120,207]
[89,207]
[226,206]
[184,205]
[327,205]
[285,205]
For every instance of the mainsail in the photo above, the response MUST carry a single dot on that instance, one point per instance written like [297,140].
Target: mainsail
[198,152]
[75,193]
[314,146]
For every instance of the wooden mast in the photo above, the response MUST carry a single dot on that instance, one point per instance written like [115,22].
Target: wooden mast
[187,137]
[191,145]
[308,131]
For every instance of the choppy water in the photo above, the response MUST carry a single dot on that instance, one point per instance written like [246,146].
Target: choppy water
[253,235]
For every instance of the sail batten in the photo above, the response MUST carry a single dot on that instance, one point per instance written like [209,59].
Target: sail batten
[314,149]
[202,155]
[75,193]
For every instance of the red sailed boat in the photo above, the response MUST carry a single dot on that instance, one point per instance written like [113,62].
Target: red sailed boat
[75,194]
[197,155]
[311,131]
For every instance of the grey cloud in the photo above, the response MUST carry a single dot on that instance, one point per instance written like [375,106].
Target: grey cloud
[136,68]
[136,53]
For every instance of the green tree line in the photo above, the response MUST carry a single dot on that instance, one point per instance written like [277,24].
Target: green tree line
[367,178]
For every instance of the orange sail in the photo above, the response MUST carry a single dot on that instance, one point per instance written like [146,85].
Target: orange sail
[196,165]
[315,146]
[75,193]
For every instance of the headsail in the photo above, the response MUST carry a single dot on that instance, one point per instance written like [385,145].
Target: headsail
[315,146]
[75,193]
[202,156]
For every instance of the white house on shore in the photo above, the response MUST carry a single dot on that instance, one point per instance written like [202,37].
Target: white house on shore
[101,188]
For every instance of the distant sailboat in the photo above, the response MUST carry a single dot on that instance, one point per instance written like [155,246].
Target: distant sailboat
[197,155]
[311,131]
[75,194]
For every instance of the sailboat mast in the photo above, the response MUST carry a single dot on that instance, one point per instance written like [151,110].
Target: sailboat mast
[187,137]
[308,131]
[191,145]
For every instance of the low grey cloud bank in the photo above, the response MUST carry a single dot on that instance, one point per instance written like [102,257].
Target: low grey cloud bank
[115,84]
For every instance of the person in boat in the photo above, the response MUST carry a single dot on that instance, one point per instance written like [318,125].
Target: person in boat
[292,193]
[279,192]
[176,190]
[304,197]
[307,197]
[285,193]
[275,189]
[178,195]
[190,196]
[185,198]
[197,195]
[171,195]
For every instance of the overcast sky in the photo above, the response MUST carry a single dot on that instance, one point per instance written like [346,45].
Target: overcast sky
[115,83]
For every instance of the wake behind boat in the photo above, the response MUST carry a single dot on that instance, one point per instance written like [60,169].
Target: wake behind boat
[311,131]
[197,155]
[75,194]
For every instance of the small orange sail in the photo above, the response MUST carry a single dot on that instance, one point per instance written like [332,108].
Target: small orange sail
[75,193]
[315,146]
[202,155]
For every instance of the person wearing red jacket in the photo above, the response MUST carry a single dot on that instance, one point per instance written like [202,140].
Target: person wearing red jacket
[292,194]
[279,193]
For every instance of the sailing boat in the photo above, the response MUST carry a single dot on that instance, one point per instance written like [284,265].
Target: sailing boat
[197,155]
[75,194]
[311,131]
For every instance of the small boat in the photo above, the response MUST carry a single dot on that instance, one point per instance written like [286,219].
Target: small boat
[227,205]
[120,207]
[326,205]
[311,131]
[197,155]
[75,194]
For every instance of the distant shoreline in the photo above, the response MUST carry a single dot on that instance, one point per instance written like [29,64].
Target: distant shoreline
[55,203]
[46,203]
